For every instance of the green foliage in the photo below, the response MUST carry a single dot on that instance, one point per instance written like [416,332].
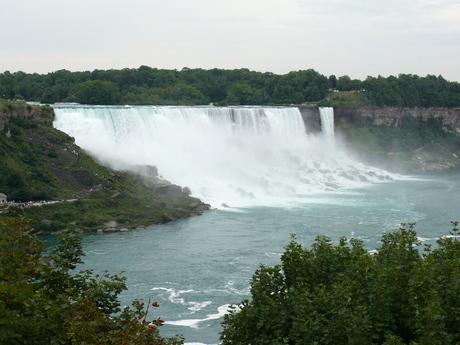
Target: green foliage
[23,173]
[147,85]
[43,301]
[97,92]
[342,294]
[345,83]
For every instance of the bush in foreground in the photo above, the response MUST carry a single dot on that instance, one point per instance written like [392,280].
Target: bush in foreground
[341,294]
[44,301]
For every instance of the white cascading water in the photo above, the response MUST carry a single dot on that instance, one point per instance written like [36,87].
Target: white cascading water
[327,121]
[235,156]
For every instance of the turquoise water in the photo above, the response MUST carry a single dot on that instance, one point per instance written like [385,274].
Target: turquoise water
[195,267]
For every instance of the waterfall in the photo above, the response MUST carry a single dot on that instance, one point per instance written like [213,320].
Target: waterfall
[327,121]
[238,156]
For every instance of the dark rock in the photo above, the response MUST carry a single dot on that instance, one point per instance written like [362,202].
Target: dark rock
[168,189]
[332,185]
[244,194]
[198,207]
[186,190]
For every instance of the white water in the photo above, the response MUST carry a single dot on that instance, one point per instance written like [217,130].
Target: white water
[327,121]
[242,156]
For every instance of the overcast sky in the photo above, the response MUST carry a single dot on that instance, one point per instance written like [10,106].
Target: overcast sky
[354,37]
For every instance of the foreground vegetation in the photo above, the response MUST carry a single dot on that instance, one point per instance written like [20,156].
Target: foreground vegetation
[146,85]
[342,294]
[44,300]
[329,294]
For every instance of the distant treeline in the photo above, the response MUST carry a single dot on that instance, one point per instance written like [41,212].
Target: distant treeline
[146,85]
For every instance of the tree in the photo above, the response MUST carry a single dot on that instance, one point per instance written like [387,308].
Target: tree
[332,80]
[97,92]
[44,301]
[342,294]
[240,93]
[345,83]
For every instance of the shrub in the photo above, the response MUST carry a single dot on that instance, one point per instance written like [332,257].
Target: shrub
[342,294]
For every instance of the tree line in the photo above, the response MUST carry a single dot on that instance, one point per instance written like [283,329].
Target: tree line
[152,86]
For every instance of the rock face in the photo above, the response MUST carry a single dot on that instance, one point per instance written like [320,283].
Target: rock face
[403,154]
[449,118]
[198,207]
[167,189]
[186,190]
[311,118]
[40,115]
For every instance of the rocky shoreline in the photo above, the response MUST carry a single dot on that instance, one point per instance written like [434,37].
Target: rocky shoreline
[196,209]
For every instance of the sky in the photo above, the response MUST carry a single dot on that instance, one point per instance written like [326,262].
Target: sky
[358,38]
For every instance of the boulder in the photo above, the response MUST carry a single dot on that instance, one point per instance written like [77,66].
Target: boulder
[168,189]
[165,187]
[198,207]
[186,190]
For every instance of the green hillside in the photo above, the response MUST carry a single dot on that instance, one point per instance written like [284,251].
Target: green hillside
[40,163]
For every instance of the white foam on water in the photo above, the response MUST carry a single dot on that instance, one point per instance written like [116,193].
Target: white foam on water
[229,157]
[197,306]
[194,323]
[174,295]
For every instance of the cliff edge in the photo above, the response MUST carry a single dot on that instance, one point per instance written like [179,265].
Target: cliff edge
[408,140]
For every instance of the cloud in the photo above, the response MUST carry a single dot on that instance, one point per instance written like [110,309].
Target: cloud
[354,37]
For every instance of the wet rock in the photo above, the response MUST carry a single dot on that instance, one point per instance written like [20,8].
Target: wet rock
[186,190]
[198,207]
[165,187]
[332,185]
[244,194]
[363,178]
[168,189]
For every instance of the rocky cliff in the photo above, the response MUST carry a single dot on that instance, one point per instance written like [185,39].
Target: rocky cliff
[449,118]
[402,139]
[311,118]
[40,115]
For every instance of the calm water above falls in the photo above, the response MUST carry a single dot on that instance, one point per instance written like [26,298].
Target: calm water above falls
[195,267]
[277,180]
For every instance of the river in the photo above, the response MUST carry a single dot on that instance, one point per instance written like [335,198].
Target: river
[195,267]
